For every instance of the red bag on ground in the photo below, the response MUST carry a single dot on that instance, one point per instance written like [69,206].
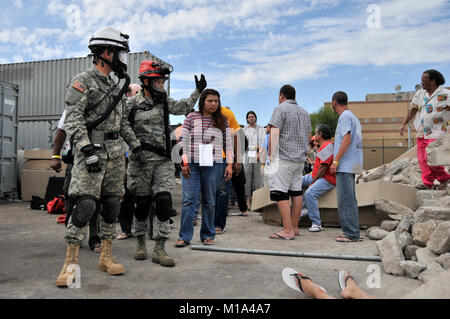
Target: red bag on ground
[56,205]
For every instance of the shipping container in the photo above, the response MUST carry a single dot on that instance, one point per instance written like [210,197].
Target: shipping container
[42,86]
[8,139]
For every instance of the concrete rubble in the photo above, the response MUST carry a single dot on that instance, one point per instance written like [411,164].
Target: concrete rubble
[414,243]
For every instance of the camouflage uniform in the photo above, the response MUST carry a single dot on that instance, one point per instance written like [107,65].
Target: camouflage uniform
[87,97]
[157,173]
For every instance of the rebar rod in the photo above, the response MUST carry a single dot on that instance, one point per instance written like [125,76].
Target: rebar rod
[286,253]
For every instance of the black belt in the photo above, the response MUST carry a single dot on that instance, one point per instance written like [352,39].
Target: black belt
[112,136]
[157,150]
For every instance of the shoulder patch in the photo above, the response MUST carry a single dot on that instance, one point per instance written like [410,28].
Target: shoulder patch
[79,86]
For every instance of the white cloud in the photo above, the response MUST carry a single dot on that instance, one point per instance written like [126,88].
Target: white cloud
[18,4]
[331,41]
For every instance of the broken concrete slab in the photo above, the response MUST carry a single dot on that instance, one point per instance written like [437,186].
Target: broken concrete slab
[412,269]
[425,256]
[432,271]
[397,166]
[404,239]
[410,251]
[377,233]
[429,197]
[444,260]
[438,151]
[439,241]
[421,232]
[389,225]
[405,224]
[392,207]
[434,213]
[391,254]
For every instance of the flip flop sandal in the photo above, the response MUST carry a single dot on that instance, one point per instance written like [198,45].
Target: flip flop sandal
[208,241]
[181,243]
[342,279]
[290,277]
[220,231]
[97,248]
[123,236]
[278,236]
[344,239]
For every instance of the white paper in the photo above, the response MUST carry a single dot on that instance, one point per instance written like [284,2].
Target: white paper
[206,154]
[251,154]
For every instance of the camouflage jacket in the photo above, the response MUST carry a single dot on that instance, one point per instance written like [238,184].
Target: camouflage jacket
[148,119]
[88,96]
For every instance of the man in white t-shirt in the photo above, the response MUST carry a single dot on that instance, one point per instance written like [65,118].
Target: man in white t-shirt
[252,166]
[432,106]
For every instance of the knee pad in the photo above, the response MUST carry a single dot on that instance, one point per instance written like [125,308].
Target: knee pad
[110,208]
[143,205]
[277,196]
[163,206]
[83,210]
[295,193]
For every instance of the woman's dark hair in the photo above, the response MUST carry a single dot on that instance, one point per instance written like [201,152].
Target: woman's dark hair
[218,118]
[436,76]
[251,112]
[324,131]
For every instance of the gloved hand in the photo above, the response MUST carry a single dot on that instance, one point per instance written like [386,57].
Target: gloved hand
[200,85]
[91,159]
[139,154]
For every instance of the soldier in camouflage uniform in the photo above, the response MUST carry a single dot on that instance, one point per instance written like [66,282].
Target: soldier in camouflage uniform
[152,178]
[99,164]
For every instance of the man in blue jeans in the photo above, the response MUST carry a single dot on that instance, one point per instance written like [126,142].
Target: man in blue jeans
[348,161]
[321,180]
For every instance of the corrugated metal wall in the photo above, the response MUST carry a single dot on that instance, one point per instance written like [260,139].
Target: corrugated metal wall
[42,87]
[8,138]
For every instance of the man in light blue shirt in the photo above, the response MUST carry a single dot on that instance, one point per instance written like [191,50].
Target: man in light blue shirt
[348,161]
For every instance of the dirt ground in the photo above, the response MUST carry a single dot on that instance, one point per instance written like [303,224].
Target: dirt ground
[32,252]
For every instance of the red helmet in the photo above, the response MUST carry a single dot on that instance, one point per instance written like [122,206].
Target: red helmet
[153,69]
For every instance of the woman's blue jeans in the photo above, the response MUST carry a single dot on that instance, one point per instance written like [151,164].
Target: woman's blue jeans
[202,179]
[347,204]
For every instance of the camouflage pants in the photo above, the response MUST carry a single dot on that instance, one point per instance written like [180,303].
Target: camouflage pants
[108,182]
[76,235]
[149,179]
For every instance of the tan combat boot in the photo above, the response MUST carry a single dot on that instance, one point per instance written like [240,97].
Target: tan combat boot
[107,262]
[71,258]
[141,248]
[160,256]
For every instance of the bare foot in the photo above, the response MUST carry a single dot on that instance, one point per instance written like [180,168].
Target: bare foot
[352,291]
[311,289]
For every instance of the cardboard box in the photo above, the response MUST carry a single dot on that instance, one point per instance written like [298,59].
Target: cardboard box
[34,182]
[41,165]
[38,154]
[366,194]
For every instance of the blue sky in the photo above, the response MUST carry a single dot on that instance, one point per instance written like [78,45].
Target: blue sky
[249,49]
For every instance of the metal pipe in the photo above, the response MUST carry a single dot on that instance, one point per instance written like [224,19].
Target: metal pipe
[286,253]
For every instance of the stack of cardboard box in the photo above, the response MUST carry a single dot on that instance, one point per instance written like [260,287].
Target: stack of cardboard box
[36,172]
